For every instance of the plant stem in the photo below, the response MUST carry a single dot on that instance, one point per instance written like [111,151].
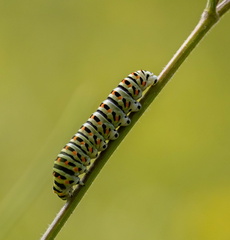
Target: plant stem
[210,16]
[223,7]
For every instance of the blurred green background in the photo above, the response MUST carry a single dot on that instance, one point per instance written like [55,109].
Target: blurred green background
[59,60]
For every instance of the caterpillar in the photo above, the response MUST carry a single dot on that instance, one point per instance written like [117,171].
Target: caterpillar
[102,126]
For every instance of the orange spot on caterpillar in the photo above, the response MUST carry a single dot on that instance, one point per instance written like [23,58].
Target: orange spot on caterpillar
[76,169]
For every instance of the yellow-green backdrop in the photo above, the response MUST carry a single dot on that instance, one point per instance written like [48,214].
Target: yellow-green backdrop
[170,178]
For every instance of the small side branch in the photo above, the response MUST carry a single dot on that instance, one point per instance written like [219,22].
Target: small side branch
[211,6]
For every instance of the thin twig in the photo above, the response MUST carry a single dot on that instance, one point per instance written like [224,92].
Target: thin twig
[209,17]
[211,6]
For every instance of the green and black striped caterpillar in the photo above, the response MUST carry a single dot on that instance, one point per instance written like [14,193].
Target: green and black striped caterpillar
[101,127]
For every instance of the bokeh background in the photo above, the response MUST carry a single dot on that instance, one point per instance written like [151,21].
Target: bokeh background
[169,179]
